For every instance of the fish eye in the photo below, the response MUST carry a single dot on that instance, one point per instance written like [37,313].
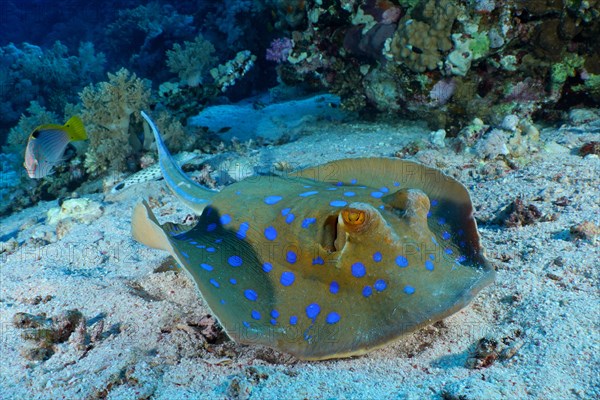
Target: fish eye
[35,134]
[354,217]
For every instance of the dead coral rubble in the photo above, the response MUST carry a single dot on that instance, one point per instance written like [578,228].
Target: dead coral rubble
[518,213]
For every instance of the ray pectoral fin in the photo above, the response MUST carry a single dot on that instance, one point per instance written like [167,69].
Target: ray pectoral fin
[146,230]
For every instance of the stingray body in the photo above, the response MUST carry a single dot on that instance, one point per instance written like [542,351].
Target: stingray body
[332,261]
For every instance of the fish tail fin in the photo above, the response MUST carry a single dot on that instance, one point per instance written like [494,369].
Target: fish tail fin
[75,129]
[189,192]
[146,229]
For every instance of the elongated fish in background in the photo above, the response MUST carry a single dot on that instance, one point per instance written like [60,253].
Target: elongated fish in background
[47,144]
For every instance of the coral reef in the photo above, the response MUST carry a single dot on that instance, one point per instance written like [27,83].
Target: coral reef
[139,37]
[111,116]
[192,61]
[279,50]
[509,57]
[424,35]
[51,77]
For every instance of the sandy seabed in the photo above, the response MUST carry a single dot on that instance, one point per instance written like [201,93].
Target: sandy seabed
[539,321]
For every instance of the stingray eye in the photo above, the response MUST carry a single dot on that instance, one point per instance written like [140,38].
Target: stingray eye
[354,217]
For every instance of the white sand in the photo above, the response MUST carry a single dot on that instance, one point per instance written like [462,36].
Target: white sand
[151,349]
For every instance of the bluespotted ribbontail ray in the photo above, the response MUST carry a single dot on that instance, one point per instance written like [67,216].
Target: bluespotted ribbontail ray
[332,261]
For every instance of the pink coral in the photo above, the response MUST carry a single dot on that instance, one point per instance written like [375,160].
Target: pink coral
[280,50]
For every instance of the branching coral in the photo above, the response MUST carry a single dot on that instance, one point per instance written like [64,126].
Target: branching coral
[110,111]
[192,60]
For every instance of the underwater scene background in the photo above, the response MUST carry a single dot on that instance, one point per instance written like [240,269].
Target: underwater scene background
[502,96]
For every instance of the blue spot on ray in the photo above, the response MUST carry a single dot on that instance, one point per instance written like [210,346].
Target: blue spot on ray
[271,233]
[183,253]
[233,281]
[409,289]
[349,194]
[307,194]
[332,318]
[334,287]
[287,278]
[402,261]
[214,283]
[285,211]
[270,200]
[291,257]
[275,314]
[255,315]
[235,261]
[429,265]
[267,267]
[293,320]
[312,310]
[446,236]
[225,219]
[211,227]
[318,261]
[380,285]
[307,222]
[211,249]
[338,203]
[377,257]
[358,270]
[241,233]
[290,218]
[434,203]
[367,291]
[449,251]
[246,324]
[207,267]
[377,195]
[250,294]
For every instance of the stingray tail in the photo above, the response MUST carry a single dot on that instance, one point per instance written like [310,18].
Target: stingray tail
[189,192]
